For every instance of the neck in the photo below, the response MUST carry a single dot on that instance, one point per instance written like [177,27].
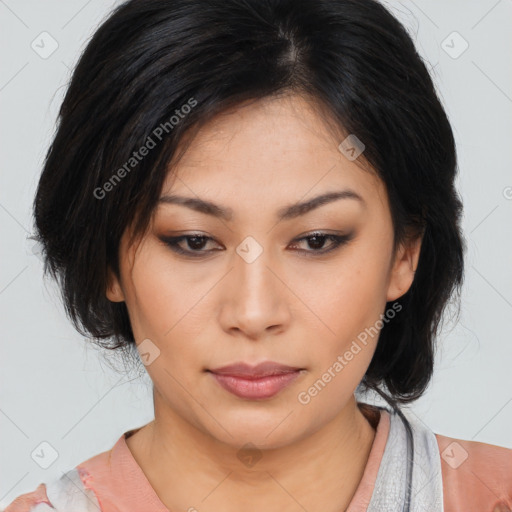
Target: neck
[330,461]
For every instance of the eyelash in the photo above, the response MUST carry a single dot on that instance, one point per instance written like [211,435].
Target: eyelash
[338,241]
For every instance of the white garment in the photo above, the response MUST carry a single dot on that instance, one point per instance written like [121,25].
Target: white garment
[425,482]
[68,494]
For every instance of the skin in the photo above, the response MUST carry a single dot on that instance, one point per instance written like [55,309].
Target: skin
[299,309]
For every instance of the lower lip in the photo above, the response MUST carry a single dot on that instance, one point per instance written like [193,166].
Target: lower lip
[264,387]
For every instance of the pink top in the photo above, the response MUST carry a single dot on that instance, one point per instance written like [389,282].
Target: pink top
[480,482]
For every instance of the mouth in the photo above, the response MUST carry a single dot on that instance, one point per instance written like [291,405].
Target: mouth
[247,371]
[262,381]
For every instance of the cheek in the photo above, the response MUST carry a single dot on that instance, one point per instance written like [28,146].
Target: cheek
[155,296]
[346,337]
[356,291]
[350,302]
[165,306]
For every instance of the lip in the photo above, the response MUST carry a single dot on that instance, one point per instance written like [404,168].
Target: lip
[262,381]
[247,371]
[256,389]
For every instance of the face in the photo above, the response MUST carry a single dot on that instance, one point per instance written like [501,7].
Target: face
[305,289]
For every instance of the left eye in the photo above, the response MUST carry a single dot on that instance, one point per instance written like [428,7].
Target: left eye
[196,243]
[317,241]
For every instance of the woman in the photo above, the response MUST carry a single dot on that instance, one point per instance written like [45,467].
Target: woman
[259,197]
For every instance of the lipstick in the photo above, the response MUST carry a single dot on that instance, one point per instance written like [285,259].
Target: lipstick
[264,380]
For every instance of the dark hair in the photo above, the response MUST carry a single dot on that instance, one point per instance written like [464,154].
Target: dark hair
[157,70]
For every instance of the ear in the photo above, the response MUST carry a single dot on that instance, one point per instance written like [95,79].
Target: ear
[404,268]
[114,290]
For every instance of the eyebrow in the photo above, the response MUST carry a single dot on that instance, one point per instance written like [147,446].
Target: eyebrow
[288,212]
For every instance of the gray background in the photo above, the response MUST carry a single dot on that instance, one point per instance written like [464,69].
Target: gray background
[57,389]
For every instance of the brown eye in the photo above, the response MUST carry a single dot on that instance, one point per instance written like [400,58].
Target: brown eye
[194,244]
[316,241]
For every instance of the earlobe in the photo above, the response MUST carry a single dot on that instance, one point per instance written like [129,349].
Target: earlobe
[404,268]
[114,291]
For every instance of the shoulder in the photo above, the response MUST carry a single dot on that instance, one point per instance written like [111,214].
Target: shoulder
[476,476]
[76,490]
[26,502]
[61,495]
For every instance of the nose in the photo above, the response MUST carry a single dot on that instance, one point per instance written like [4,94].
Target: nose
[255,298]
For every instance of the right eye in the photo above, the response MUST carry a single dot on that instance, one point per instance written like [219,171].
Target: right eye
[195,243]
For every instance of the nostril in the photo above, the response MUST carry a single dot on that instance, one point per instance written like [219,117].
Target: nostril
[501,507]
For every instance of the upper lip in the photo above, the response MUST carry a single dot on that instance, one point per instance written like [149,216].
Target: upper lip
[263,369]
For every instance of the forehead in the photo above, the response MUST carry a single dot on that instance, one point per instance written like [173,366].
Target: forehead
[275,150]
